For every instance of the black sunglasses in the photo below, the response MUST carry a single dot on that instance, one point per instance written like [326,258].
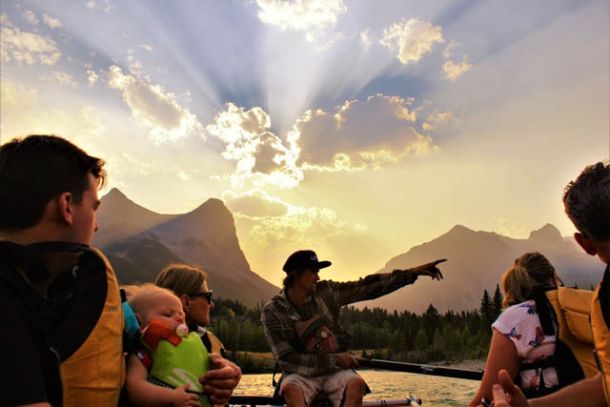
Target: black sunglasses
[207,295]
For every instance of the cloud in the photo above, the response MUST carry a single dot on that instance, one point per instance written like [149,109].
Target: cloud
[104,5]
[92,76]
[453,70]
[52,22]
[63,78]
[30,17]
[436,119]
[183,175]
[25,47]
[301,227]
[449,49]
[411,39]
[364,38]
[255,205]
[154,107]
[360,134]
[260,155]
[301,15]
[16,96]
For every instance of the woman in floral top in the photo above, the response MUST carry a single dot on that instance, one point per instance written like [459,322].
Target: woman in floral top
[517,333]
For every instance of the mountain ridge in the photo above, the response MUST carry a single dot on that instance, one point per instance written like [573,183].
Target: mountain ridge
[475,262]
[141,242]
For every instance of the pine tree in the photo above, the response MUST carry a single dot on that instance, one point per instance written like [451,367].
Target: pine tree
[497,303]
[486,309]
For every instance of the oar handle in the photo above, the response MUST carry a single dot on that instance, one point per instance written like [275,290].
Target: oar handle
[421,369]
[279,401]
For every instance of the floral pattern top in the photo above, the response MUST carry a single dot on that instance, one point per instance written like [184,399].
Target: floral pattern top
[521,324]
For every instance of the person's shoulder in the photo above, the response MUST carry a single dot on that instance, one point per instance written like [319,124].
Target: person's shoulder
[515,315]
[277,301]
[526,307]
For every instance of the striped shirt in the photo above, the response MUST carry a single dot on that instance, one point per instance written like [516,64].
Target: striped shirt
[279,317]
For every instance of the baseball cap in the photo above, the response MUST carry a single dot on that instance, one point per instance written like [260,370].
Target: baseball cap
[303,259]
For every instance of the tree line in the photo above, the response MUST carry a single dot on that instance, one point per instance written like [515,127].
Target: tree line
[402,336]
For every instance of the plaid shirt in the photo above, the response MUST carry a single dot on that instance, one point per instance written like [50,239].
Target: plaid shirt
[279,317]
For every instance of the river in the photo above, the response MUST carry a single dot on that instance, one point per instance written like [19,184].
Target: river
[433,390]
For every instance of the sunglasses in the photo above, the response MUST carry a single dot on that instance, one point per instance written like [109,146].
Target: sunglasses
[207,295]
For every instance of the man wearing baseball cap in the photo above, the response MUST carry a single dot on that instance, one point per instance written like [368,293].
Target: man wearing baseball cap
[302,328]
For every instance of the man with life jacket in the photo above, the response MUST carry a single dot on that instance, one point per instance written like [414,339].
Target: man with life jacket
[587,204]
[61,342]
[302,327]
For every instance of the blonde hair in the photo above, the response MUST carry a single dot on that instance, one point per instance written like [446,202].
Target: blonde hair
[182,279]
[527,272]
[140,296]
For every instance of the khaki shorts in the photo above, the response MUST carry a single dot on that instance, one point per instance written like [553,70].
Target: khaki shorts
[332,385]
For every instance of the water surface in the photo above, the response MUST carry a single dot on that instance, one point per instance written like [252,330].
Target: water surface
[433,390]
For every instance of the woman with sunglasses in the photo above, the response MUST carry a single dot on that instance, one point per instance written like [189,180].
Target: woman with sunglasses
[190,285]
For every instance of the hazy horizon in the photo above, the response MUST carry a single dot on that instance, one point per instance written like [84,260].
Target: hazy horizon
[354,128]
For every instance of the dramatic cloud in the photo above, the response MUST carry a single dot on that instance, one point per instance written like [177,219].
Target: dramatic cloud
[258,153]
[154,107]
[452,70]
[255,205]
[360,134]
[302,15]
[299,227]
[51,21]
[411,39]
[30,17]
[25,47]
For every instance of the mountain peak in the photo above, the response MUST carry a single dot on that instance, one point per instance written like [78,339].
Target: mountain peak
[115,194]
[212,205]
[459,230]
[547,233]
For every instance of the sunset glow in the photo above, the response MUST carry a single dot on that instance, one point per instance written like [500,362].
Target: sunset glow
[355,128]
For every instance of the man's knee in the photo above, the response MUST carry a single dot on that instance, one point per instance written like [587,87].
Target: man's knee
[290,390]
[357,385]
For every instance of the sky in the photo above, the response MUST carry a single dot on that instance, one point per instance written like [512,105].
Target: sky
[356,128]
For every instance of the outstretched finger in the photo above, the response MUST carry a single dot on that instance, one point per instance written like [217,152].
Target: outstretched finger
[439,261]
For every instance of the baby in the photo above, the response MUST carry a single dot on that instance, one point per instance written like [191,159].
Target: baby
[166,369]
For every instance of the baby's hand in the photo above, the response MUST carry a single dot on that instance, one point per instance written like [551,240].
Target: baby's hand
[181,398]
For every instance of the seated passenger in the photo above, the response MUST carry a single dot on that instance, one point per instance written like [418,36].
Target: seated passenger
[302,327]
[190,285]
[166,370]
[524,336]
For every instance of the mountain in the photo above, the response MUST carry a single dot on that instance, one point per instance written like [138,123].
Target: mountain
[120,218]
[141,242]
[476,261]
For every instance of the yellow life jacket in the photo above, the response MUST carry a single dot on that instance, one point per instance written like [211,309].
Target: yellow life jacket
[572,307]
[94,374]
[600,324]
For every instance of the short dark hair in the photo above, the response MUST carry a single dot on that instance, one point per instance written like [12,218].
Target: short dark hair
[587,202]
[34,170]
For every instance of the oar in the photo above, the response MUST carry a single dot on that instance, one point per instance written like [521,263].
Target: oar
[423,369]
[279,401]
